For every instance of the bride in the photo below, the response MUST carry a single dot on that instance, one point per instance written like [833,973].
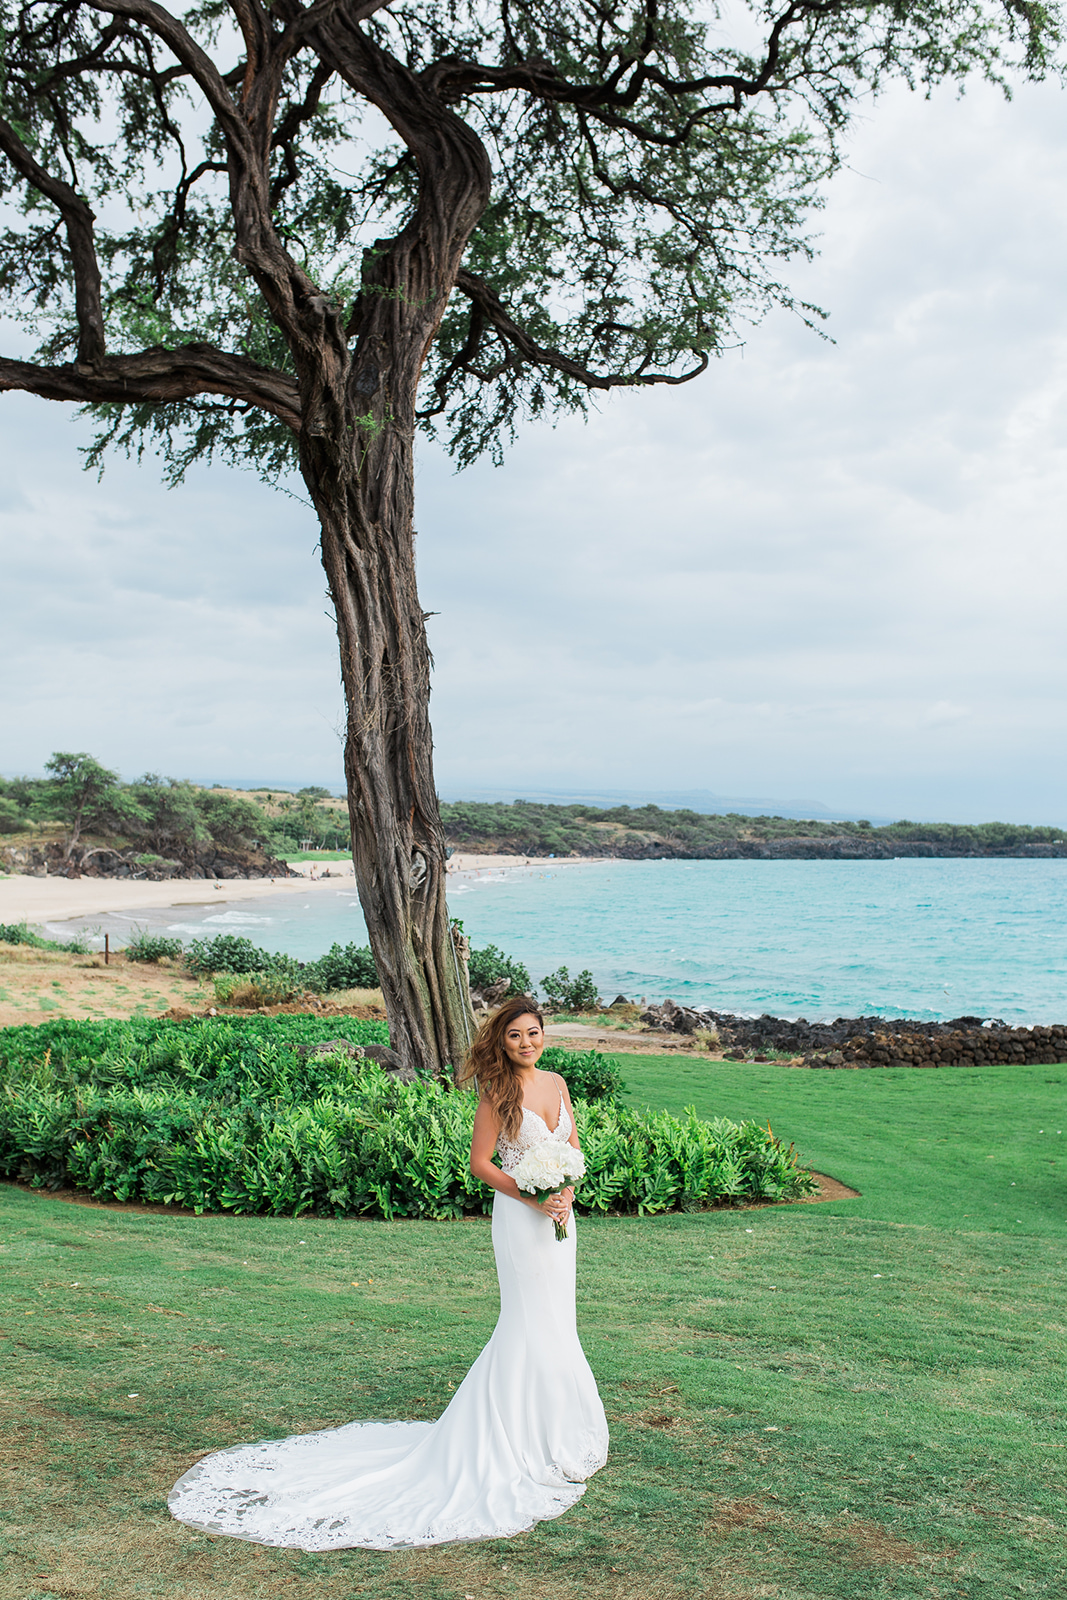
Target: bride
[526,1426]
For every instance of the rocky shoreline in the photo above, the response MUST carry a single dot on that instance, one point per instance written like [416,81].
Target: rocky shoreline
[204,861]
[868,1041]
[843,848]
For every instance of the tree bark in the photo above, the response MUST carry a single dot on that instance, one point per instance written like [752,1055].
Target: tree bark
[398,847]
[357,458]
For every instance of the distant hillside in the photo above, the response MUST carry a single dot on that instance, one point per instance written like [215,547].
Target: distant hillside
[84,819]
[646,833]
[704,801]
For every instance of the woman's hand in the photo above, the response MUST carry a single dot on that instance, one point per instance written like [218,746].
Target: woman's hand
[557,1206]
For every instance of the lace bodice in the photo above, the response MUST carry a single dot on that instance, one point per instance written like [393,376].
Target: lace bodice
[533,1131]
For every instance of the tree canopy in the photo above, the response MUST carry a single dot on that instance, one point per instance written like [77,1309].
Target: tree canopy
[647,183]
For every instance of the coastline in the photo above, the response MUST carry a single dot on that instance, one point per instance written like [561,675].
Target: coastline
[472,864]
[25,898]
[38,900]
[734,938]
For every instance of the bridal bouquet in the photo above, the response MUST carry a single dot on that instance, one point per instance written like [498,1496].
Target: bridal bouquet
[547,1168]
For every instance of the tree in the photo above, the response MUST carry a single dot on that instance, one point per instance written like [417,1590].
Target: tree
[296,233]
[82,793]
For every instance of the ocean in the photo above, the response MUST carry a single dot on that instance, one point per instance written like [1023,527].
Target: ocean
[930,939]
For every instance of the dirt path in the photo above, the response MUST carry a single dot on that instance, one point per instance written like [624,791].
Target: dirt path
[645,1041]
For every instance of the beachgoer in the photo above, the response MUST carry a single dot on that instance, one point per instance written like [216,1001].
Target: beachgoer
[525,1428]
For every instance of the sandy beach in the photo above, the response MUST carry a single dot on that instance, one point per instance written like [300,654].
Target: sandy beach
[38,900]
[471,865]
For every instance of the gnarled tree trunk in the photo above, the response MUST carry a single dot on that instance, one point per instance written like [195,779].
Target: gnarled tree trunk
[357,458]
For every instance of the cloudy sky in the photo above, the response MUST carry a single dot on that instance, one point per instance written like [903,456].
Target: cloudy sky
[833,571]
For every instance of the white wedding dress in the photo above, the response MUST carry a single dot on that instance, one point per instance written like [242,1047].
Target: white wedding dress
[522,1433]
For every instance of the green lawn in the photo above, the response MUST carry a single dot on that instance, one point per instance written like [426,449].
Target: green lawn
[974,1148]
[815,1402]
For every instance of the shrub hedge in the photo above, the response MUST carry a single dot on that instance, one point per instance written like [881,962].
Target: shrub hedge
[221,1115]
[590,1076]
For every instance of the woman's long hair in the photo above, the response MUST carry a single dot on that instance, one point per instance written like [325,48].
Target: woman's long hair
[488,1061]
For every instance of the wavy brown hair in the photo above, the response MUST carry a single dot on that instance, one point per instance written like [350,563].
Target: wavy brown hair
[488,1061]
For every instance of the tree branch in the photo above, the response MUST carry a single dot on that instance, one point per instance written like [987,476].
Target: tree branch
[496,314]
[289,292]
[160,375]
[197,62]
[78,218]
[609,100]
[410,101]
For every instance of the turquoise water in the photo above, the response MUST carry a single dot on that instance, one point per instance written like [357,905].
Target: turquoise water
[926,939]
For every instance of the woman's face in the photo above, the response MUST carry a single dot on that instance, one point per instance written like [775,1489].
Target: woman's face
[524,1040]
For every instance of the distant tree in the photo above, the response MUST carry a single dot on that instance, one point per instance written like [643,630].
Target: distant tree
[232,821]
[84,794]
[11,818]
[224,252]
[173,819]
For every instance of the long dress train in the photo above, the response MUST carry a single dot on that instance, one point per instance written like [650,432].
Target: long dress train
[522,1433]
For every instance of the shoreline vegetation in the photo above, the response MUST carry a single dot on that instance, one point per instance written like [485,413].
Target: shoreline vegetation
[154,977]
[651,833]
[83,821]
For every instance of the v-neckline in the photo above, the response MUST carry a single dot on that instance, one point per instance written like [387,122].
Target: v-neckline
[540,1118]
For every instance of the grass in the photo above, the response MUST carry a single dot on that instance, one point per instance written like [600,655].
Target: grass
[57,982]
[975,1148]
[819,1402]
[293,858]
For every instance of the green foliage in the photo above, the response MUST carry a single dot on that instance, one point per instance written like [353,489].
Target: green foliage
[86,795]
[350,967]
[654,169]
[171,816]
[22,933]
[168,815]
[145,946]
[227,1053]
[259,988]
[225,1117]
[489,965]
[589,1075]
[565,993]
[528,827]
[231,952]
[232,821]
[11,817]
